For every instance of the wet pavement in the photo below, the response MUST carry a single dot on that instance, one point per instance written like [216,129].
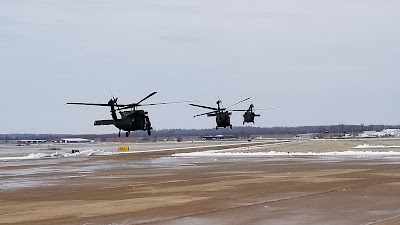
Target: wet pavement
[174,188]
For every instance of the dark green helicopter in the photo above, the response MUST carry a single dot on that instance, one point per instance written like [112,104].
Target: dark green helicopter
[223,116]
[249,114]
[131,119]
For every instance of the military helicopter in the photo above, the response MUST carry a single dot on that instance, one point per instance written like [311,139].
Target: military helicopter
[249,114]
[131,119]
[223,116]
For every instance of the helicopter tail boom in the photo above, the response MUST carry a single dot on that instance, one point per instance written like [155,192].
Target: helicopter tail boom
[103,122]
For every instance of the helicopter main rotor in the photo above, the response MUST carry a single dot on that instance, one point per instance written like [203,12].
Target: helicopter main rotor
[132,106]
[216,111]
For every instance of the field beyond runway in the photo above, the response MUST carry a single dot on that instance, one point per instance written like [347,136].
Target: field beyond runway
[168,187]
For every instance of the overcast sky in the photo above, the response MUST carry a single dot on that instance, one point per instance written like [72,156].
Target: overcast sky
[322,62]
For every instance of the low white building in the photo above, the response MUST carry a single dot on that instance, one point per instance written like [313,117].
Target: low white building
[72,140]
[389,133]
[28,142]
[383,133]
[368,134]
[348,136]
[307,136]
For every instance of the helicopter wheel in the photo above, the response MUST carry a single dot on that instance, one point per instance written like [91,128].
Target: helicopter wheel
[127,133]
[243,122]
[149,132]
[216,128]
[230,126]
[119,133]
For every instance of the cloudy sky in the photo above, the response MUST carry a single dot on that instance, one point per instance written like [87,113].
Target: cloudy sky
[322,62]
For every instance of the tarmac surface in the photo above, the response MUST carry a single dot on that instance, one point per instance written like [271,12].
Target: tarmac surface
[158,187]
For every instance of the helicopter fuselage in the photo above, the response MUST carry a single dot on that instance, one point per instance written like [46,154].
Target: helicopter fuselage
[222,119]
[133,120]
[130,121]
[248,117]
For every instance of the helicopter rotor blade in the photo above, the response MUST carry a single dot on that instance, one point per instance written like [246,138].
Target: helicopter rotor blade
[148,96]
[112,95]
[239,110]
[164,103]
[82,103]
[269,108]
[239,102]
[203,114]
[152,104]
[138,103]
[273,108]
[93,104]
[205,107]
[262,109]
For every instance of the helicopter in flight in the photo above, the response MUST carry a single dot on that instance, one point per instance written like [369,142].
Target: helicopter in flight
[223,116]
[131,119]
[249,114]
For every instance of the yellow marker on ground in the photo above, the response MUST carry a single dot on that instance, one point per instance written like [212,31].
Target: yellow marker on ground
[123,148]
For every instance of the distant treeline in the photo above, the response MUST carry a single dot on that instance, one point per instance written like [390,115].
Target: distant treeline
[236,131]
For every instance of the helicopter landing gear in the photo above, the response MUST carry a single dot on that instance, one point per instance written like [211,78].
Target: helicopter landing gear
[243,122]
[127,133]
[230,126]
[216,128]
[119,133]
[149,132]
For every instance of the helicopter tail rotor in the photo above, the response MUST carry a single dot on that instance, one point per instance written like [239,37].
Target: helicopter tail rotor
[115,102]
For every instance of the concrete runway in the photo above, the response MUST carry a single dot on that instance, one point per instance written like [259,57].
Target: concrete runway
[155,188]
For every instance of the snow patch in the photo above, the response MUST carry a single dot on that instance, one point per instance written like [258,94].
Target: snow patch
[40,155]
[274,153]
[367,146]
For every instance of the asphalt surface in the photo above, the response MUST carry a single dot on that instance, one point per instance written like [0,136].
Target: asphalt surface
[157,188]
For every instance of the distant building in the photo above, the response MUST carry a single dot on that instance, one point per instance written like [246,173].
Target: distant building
[28,142]
[71,140]
[389,133]
[368,134]
[348,136]
[122,139]
[307,136]
[383,133]
[219,137]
